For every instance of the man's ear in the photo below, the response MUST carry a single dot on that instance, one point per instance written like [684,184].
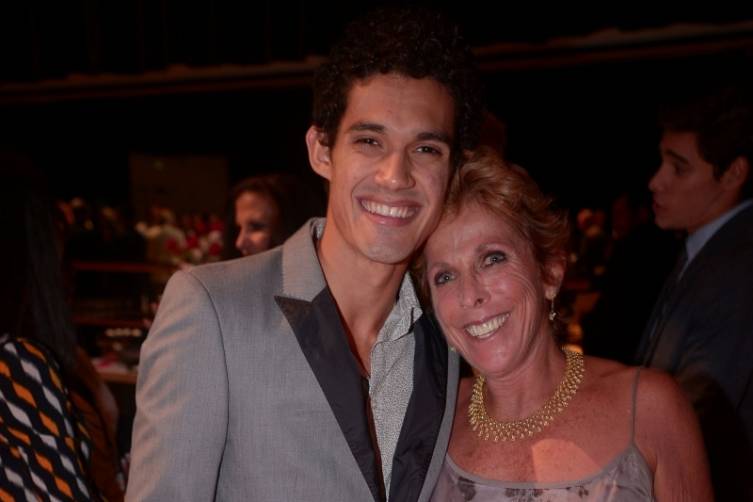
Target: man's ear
[319,153]
[734,177]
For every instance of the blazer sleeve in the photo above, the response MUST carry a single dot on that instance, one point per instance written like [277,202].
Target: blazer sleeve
[181,399]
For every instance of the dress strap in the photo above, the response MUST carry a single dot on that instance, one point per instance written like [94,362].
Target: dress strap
[635,399]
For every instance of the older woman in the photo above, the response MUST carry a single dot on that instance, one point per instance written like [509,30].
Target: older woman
[537,422]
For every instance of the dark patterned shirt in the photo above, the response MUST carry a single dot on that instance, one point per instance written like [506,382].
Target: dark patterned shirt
[43,445]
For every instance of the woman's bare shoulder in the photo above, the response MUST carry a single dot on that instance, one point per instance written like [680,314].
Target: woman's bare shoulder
[657,397]
[660,396]
[605,375]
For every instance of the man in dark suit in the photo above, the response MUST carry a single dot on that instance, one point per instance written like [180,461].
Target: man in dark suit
[701,330]
[309,372]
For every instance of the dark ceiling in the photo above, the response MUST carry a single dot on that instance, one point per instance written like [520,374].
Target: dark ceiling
[49,40]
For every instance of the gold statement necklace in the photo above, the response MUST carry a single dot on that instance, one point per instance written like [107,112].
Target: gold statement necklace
[488,428]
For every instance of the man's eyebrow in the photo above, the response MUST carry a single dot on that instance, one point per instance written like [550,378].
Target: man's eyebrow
[676,156]
[440,136]
[435,136]
[367,126]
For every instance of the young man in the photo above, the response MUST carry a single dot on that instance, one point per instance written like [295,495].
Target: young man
[309,372]
[701,330]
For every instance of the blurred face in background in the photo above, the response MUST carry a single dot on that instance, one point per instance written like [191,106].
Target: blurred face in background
[686,193]
[256,216]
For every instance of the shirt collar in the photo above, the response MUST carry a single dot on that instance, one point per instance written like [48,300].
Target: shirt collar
[317,228]
[407,308]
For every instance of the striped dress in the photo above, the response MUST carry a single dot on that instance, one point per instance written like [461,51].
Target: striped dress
[43,445]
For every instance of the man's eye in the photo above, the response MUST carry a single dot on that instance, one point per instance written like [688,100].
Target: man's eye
[680,169]
[367,141]
[442,278]
[494,258]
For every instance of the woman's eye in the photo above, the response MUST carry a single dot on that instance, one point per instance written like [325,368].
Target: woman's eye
[428,149]
[442,278]
[494,258]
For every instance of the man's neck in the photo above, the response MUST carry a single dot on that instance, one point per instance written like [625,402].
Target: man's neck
[364,291]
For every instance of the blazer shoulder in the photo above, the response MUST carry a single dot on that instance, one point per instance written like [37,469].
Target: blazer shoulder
[236,275]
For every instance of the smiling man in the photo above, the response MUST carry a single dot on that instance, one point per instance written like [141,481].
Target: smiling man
[701,330]
[309,372]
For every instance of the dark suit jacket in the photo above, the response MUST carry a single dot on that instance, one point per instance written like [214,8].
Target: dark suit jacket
[705,339]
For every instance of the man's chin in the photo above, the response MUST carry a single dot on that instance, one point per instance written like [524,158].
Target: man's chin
[389,255]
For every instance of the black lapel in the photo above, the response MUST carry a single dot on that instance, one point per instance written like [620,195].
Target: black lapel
[423,417]
[320,334]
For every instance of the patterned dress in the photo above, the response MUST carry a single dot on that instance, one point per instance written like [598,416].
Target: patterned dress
[43,445]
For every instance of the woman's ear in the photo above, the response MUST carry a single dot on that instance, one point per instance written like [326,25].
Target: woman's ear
[319,153]
[554,272]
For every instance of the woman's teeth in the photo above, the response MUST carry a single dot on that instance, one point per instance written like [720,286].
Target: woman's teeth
[486,328]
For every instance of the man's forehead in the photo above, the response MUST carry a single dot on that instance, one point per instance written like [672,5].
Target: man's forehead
[382,101]
[687,139]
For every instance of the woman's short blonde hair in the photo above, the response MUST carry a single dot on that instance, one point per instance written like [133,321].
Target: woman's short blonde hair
[509,192]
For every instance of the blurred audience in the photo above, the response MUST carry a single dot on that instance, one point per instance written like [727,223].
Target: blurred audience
[592,242]
[640,257]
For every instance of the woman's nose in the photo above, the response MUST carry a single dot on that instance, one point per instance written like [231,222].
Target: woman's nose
[472,293]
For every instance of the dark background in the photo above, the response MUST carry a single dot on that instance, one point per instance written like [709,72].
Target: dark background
[580,115]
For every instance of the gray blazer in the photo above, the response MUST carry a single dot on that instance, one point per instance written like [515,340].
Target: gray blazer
[247,390]
[705,340]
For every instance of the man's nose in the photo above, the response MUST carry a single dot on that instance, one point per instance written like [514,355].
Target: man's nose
[395,172]
[656,182]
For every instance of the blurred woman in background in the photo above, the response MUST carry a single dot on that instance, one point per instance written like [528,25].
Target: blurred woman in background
[268,209]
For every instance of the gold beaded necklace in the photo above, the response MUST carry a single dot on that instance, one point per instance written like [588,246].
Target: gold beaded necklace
[488,428]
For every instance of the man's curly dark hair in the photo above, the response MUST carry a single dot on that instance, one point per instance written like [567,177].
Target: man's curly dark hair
[414,42]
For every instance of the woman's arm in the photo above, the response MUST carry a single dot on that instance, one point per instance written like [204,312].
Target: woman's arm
[668,435]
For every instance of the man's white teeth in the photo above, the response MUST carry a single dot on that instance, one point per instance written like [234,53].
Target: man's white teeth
[487,328]
[389,211]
